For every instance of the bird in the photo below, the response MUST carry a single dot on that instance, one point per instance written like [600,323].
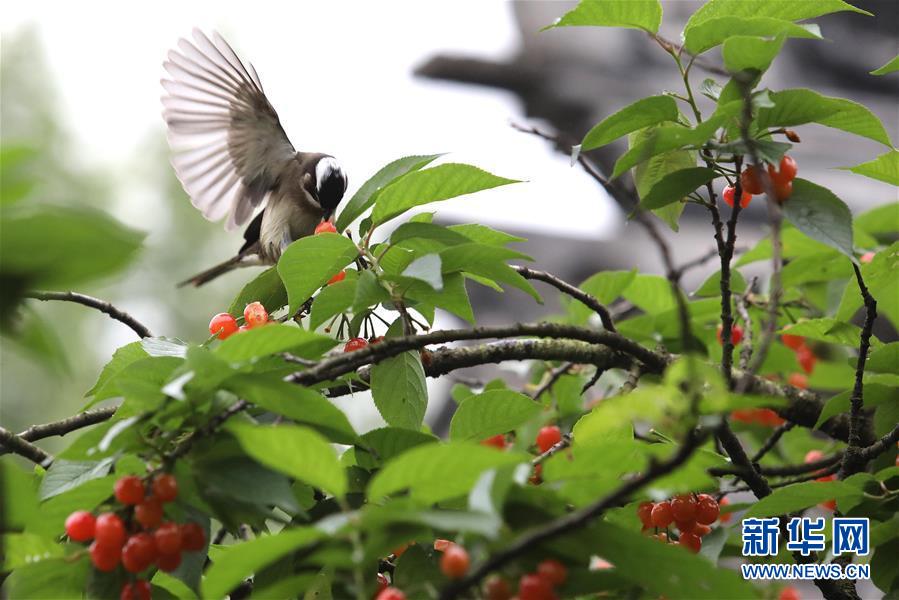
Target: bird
[232,156]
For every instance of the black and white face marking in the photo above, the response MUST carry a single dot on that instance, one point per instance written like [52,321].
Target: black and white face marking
[330,184]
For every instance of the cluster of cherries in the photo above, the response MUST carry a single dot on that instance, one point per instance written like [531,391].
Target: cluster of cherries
[547,437]
[751,182]
[140,540]
[804,356]
[691,513]
[224,325]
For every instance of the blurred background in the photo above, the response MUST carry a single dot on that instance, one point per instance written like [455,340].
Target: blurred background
[369,82]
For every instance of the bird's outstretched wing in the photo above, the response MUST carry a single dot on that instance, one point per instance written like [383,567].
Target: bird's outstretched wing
[228,144]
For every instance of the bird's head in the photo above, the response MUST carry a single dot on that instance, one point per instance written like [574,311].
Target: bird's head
[330,184]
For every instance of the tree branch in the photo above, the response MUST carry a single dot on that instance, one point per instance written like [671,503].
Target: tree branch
[17,445]
[101,305]
[576,293]
[853,459]
[573,520]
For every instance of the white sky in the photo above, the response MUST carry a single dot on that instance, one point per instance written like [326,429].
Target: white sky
[339,75]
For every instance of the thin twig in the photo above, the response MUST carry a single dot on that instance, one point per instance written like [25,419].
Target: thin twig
[772,441]
[853,460]
[554,376]
[574,292]
[560,445]
[101,305]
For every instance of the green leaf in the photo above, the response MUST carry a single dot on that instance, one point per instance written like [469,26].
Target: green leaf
[294,402]
[485,235]
[295,451]
[399,390]
[52,579]
[235,563]
[712,32]
[453,297]
[819,214]
[271,339]
[664,138]
[55,247]
[310,262]
[891,66]
[436,472]
[492,413]
[674,186]
[800,496]
[631,14]
[369,292]
[675,574]
[800,106]
[785,10]
[334,299]
[432,185]
[122,357]
[828,330]
[884,359]
[605,286]
[880,277]
[748,53]
[487,261]
[65,475]
[21,549]
[367,194]
[426,269]
[883,168]
[428,231]
[711,286]
[642,113]
[87,496]
[266,288]
[388,442]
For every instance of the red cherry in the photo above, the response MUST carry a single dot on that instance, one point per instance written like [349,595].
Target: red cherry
[129,490]
[109,531]
[354,344]
[866,257]
[724,517]
[798,380]
[691,541]
[793,342]
[339,277]
[768,417]
[496,441]
[806,359]
[661,514]
[165,487]
[736,334]
[391,593]
[193,538]
[707,510]
[786,171]
[534,587]
[136,590]
[168,562]
[139,552]
[829,505]
[789,593]
[685,526]
[751,181]
[222,325]
[742,415]
[376,340]
[701,530]
[325,227]
[730,192]
[398,552]
[497,588]
[683,508]
[553,571]
[644,513]
[105,558]
[255,314]
[782,191]
[548,437]
[455,562]
[149,513]
[80,526]
[168,538]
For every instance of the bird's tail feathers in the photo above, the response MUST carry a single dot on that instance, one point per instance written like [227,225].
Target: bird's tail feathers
[213,272]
